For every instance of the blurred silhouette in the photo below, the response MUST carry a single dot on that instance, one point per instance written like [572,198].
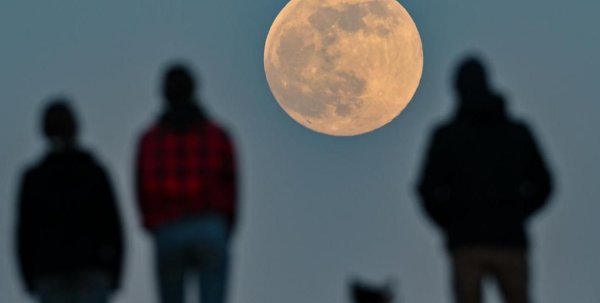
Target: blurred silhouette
[365,293]
[69,234]
[186,186]
[483,178]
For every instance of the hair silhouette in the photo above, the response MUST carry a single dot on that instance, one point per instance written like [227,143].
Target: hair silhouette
[471,77]
[182,110]
[477,101]
[59,121]
[179,85]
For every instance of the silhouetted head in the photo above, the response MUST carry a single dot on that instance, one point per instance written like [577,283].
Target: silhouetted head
[477,101]
[471,78]
[179,86]
[59,123]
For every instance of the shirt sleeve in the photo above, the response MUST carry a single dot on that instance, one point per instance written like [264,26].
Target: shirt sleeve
[230,180]
[25,231]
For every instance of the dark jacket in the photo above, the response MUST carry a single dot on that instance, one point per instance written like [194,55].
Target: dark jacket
[483,177]
[68,219]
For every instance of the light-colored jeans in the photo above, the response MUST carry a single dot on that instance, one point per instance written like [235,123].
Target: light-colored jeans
[197,245]
[81,287]
[507,266]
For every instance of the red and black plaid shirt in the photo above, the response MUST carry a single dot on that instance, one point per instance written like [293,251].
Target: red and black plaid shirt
[185,173]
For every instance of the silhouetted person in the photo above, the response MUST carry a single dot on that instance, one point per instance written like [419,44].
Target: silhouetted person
[68,228]
[483,178]
[186,186]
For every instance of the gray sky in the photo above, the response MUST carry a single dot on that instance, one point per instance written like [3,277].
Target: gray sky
[314,209]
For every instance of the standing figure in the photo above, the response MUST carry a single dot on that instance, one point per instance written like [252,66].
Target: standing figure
[69,236]
[483,178]
[186,187]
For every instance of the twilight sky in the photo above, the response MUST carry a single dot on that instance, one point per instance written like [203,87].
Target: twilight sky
[315,210]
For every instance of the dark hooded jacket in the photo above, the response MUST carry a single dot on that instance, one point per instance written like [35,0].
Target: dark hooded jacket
[483,176]
[68,219]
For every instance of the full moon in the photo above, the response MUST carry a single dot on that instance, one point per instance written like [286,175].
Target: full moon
[343,67]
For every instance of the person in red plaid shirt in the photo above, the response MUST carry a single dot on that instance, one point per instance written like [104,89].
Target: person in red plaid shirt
[186,189]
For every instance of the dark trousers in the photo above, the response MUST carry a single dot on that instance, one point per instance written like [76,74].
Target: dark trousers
[507,266]
[75,287]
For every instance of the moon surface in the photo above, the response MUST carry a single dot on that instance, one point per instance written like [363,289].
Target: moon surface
[343,67]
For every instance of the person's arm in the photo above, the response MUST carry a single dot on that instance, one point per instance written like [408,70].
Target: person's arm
[142,158]
[536,187]
[24,234]
[230,182]
[434,186]
[113,244]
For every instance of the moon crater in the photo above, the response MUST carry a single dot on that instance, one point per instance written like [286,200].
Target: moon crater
[343,67]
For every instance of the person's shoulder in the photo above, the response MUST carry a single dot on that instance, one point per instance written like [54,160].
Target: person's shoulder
[88,159]
[444,128]
[518,124]
[218,129]
[29,177]
[149,132]
[31,170]
[52,162]
[152,130]
[36,167]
